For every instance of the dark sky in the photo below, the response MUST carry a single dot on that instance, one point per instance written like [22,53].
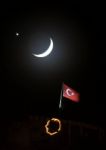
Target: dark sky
[32,85]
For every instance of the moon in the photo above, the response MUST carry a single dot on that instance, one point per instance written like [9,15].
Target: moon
[47,52]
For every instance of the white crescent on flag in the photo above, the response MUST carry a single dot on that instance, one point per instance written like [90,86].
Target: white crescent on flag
[70,93]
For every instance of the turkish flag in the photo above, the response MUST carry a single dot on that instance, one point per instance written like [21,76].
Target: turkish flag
[70,93]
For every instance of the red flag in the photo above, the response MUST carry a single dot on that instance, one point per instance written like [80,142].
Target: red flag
[70,93]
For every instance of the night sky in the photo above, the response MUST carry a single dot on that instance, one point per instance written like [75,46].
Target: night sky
[32,86]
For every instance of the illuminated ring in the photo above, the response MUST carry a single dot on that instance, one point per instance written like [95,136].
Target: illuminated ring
[47,126]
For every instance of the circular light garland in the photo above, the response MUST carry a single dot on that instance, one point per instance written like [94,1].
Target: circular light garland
[48,123]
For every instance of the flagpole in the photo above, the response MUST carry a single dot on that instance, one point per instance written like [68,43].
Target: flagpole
[61,94]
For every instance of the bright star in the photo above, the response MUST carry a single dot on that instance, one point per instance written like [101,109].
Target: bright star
[17,34]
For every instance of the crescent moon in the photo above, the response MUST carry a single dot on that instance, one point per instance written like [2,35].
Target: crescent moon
[47,52]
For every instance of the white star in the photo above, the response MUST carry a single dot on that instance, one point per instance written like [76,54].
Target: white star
[17,34]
